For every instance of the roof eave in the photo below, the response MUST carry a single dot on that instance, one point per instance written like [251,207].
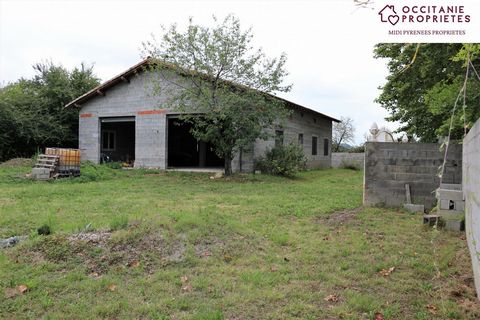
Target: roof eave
[124,76]
[100,89]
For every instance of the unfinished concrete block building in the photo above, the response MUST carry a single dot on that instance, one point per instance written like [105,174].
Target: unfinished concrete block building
[123,121]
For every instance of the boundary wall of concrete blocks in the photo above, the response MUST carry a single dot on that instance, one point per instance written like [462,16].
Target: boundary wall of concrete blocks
[390,166]
[471,192]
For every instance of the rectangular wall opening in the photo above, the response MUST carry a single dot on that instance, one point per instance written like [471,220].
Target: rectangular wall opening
[184,151]
[117,140]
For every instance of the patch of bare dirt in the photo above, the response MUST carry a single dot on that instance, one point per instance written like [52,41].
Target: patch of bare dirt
[135,248]
[207,247]
[342,217]
[100,251]
[99,239]
[17,162]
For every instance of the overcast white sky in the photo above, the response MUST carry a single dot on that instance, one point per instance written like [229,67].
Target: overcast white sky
[328,43]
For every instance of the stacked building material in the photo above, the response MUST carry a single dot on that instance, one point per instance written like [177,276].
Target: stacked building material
[57,163]
[69,161]
[46,167]
[451,206]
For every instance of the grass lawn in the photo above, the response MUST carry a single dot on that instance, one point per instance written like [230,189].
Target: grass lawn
[142,244]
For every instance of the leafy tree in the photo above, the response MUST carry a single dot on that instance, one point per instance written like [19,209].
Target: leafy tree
[32,113]
[225,91]
[343,132]
[423,84]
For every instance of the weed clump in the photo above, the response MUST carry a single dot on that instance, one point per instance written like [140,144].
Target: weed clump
[44,230]
[90,172]
[119,222]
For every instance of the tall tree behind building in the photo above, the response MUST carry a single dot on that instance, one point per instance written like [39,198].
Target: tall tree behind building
[343,133]
[32,113]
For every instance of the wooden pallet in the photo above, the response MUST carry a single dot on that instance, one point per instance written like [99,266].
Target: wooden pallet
[48,161]
[51,162]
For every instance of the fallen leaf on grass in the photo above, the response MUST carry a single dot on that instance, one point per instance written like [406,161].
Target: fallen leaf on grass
[386,272]
[459,291]
[432,309]
[134,264]
[379,316]
[184,279]
[331,298]
[12,292]
[112,287]
[467,304]
[22,288]
[187,288]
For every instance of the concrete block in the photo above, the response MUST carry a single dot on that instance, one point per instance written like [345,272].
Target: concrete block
[451,186]
[454,225]
[446,194]
[451,214]
[431,219]
[414,207]
[447,204]
[459,205]
[41,173]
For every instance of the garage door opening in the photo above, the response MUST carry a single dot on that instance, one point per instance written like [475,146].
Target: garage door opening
[117,140]
[184,151]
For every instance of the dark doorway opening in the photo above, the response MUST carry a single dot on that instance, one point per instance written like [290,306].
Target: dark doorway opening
[184,151]
[117,140]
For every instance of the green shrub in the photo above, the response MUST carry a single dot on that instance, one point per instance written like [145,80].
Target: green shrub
[114,165]
[94,172]
[44,230]
[284,160]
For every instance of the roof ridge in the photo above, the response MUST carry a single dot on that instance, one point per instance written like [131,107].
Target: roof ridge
[99,90]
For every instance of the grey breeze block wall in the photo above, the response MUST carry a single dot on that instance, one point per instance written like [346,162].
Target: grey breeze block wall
[340,159]
[126,99]
[389,166]
[134,99]
[306,123]
[471,191]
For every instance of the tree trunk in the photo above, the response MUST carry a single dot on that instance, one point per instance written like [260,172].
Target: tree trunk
[240,156]
[228,165]
[337,147]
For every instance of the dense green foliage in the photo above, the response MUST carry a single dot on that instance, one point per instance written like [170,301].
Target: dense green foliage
[423,85]
[225,80]
[32,113]
[283,160]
